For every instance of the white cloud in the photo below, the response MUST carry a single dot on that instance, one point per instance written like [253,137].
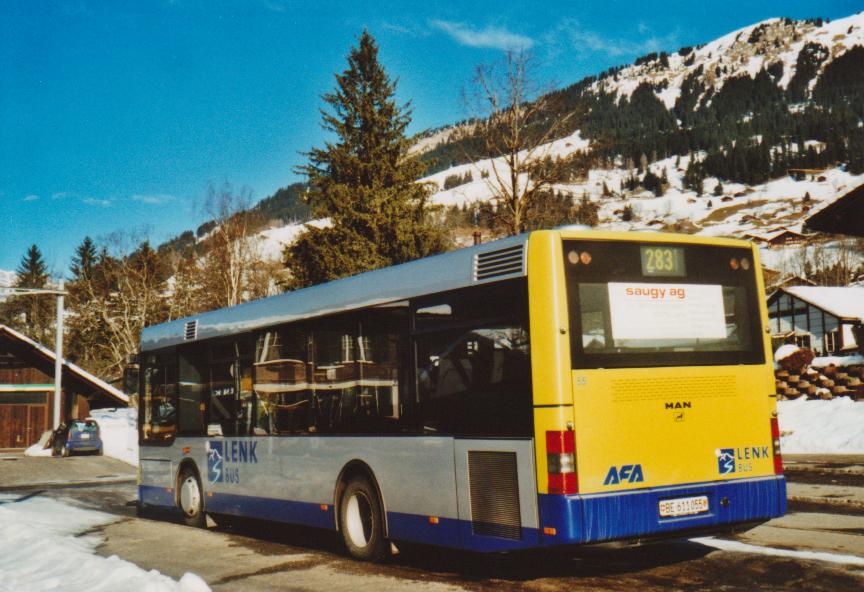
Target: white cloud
[59,195]
[92,201]
[156,199]
[31,197]
[490,37]
[574,37]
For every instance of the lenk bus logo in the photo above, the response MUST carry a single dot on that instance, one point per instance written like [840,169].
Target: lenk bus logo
[222,455]
[726,461]
[215,465]
[629,473]
[739,460]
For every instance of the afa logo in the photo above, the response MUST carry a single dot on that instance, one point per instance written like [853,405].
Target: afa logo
[215,462]
[726,461]
[628,473]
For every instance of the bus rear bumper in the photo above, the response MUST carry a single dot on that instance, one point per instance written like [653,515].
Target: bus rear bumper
[595,518]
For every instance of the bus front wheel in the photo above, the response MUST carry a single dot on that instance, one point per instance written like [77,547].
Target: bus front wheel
[362,521]
[191,498]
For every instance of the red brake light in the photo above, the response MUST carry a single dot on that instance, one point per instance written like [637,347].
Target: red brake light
[561,462]
[775,441]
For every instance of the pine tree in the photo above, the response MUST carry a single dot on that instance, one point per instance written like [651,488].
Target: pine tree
[718,189]
[364,181]
[32,315]
[84,259]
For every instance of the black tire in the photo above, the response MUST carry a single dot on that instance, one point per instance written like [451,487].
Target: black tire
[190,498]
[361,521]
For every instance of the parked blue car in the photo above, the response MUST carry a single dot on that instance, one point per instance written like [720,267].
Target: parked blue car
[79,435]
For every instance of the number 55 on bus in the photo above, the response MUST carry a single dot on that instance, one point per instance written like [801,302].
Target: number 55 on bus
[556,388]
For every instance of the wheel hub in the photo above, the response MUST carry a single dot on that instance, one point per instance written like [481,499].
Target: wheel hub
[190,496]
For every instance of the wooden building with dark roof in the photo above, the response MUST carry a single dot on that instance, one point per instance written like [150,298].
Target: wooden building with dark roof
[845,215]
[27,390]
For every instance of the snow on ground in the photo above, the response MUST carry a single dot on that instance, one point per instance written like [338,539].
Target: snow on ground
[119,432]
[40,550]
[821,427]
[738,547]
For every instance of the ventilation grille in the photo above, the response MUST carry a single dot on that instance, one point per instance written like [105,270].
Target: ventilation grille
[494,485]
[503,262]
[191,331]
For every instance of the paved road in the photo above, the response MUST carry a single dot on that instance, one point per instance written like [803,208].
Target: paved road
[268,557]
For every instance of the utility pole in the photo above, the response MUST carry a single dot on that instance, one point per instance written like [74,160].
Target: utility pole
[58,344]
[58,356]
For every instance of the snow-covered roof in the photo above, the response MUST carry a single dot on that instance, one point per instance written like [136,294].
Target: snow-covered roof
[843,302]
[78,371]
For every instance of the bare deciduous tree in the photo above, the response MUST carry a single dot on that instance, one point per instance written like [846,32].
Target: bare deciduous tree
[232,254]
[516,129]
[125,292]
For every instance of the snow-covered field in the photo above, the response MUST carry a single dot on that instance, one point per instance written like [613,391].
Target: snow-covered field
[40,550]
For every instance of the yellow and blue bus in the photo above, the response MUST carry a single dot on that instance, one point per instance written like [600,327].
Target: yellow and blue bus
[561,387]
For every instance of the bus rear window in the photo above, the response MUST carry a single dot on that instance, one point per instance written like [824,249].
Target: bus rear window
[633,305]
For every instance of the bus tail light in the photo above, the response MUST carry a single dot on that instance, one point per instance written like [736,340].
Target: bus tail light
[775,440]
[561,462]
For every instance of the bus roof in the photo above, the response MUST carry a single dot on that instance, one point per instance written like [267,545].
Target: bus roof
[489,262]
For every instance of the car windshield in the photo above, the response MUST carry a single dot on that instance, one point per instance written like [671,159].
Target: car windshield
[84,426]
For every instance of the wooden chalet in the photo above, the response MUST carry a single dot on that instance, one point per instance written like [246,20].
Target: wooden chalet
[824,319]
[780,237]
[27,390]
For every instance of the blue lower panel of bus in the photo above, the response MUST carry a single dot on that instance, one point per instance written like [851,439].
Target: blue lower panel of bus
[575,518]
[264,508]
[627,514]
[156,496]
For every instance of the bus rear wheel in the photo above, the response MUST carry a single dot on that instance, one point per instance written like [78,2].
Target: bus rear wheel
[191,498]
[362,521]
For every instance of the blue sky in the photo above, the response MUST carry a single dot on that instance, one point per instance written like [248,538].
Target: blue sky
[119,114]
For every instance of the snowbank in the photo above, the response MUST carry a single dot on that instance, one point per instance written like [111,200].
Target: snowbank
[824,427]
[39,551]
[784,351]
[825,361]
[119,431]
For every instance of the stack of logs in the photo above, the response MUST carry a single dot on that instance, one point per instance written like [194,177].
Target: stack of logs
[821,383]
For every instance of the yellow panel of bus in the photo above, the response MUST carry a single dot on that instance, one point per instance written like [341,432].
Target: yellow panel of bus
[649,352]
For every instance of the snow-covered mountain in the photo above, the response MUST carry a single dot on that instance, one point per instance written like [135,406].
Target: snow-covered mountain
[775,44]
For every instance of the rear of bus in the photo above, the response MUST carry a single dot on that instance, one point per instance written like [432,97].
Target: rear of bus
[653,389]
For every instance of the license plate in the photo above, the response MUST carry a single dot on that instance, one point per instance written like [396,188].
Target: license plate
[85,436]
[684,506]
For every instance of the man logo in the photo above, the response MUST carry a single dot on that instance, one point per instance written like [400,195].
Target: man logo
[215,462]
[726,461]
[629,473]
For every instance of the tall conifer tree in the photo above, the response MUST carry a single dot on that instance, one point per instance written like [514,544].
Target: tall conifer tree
[364,181]
[32,315]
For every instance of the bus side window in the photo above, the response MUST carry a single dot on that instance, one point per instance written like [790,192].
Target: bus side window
[280,381]
[193,390]
[356,363]
[473,371]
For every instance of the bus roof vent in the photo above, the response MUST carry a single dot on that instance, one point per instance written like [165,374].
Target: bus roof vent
[509,261]
[190,332]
